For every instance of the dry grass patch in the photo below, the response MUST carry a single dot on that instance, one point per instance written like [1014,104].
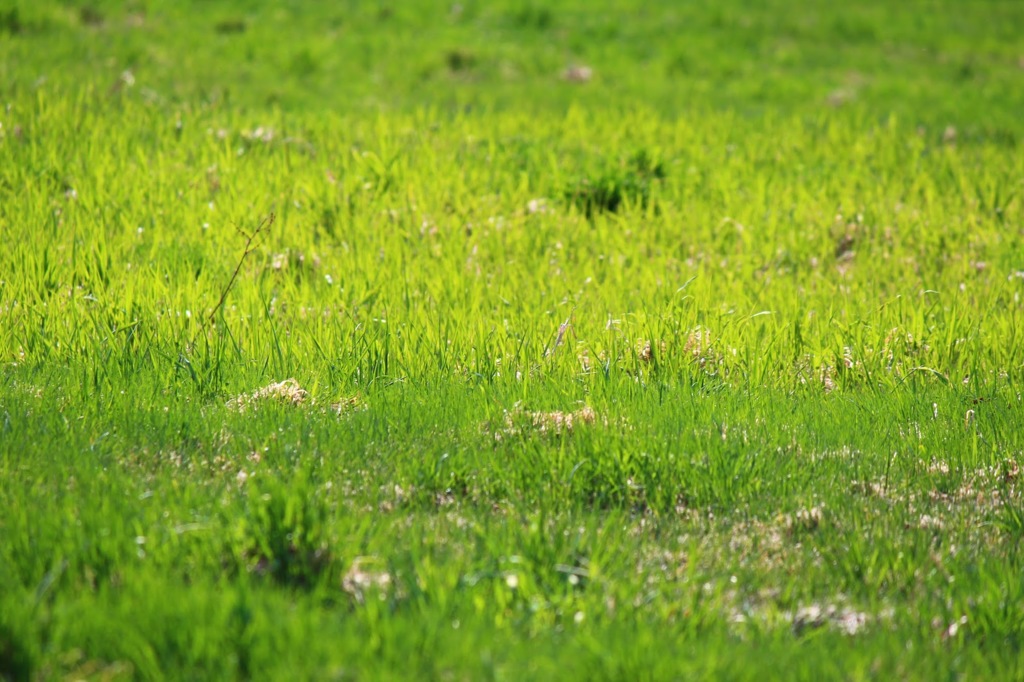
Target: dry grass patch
[842,618]
[366,575]
[289,392]
[286,392]
[517,422]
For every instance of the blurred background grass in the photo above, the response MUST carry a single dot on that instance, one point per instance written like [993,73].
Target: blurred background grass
[938,62]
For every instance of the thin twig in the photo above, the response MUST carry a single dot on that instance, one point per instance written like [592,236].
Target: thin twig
[560,336]
[250,246]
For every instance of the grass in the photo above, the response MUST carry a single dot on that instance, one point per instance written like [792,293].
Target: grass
[706,367]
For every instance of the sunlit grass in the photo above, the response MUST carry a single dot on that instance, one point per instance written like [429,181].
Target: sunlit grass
[562,392]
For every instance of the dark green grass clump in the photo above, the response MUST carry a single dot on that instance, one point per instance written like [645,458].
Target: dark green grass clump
[630,183]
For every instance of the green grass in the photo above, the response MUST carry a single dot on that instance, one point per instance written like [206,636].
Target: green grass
[709,367]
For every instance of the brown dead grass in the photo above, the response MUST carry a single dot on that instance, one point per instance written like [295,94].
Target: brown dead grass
[366,575]
[518,422]
[289,392]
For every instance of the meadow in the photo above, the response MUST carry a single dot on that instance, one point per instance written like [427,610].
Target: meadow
[507,341]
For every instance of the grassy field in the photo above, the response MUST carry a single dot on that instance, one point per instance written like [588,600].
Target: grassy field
[511,341]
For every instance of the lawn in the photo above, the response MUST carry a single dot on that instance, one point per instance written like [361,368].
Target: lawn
[507,341]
